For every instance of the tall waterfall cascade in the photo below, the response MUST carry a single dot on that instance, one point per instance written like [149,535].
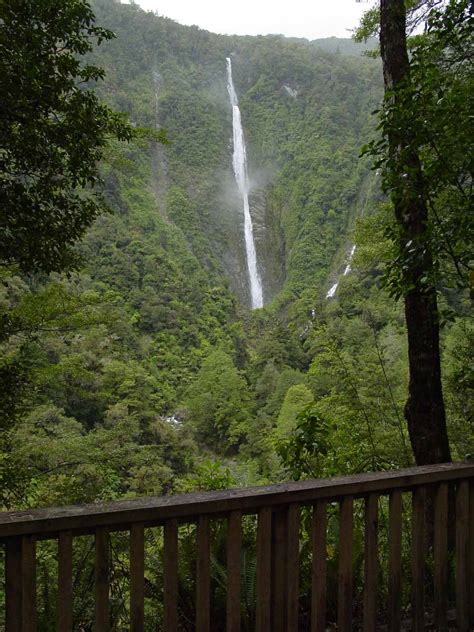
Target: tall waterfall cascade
[332,290]
[239,162]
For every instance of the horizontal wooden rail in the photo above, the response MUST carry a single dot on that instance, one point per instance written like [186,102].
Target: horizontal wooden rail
[186,507]
[433,506]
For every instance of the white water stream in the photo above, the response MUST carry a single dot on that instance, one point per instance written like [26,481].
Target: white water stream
[332,290]
[348,266]
[239,161]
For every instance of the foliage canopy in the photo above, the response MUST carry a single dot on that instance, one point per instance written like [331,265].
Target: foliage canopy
[53,131]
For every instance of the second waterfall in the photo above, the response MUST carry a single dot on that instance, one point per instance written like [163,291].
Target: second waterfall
[239,161]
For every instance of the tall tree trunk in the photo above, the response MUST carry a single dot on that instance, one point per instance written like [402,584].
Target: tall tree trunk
[424,410]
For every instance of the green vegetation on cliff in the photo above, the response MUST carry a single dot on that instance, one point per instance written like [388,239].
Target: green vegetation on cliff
[149,352]
[145,373]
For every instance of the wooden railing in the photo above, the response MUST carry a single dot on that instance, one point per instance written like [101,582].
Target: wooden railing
[442,505]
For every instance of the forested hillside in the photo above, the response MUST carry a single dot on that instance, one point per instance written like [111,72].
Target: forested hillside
[131,363]
[150,355]
[305,113]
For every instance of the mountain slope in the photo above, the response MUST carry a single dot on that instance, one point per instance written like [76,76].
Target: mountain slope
[305,113]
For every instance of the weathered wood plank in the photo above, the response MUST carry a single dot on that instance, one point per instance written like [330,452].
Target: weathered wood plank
[234,552]
[137,577]
[371,563]
[279,570]
[418,559]
[318,588]
[471,554]
[28,572]
[395,561]
[13,588]
[203,575]
[65,603]
[101,580]
[441,557]
[462,556]
[344,605]
[171,576]
[264,539]
[293,567]
[154,511]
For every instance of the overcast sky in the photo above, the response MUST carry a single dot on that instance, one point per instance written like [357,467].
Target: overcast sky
[295,18]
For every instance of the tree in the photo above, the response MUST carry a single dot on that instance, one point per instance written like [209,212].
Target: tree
[219,404]
[297,398]
[424,410]
[425,151]
[53,131]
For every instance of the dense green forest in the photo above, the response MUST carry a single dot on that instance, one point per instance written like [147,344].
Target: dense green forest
[149,354]
[142,369]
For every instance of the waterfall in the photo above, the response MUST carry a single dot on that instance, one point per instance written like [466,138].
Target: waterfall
[332,290]
[239,161]
[348,266]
